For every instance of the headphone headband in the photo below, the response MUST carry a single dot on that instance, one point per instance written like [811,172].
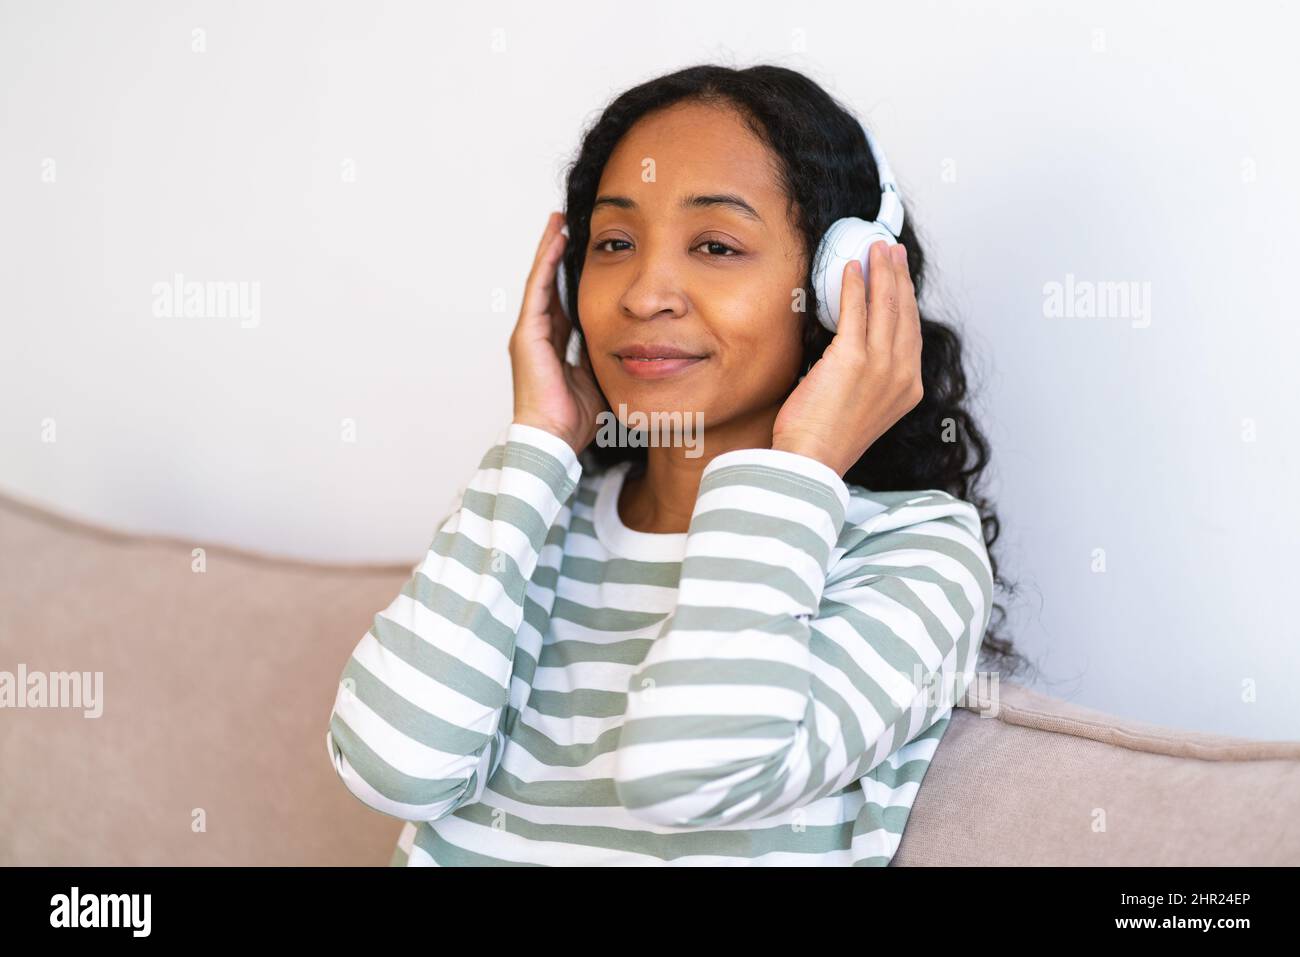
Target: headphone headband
[891,199]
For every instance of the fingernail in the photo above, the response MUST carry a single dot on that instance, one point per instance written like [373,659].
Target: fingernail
[900,253]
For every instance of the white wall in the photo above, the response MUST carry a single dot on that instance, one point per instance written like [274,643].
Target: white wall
[1029,154]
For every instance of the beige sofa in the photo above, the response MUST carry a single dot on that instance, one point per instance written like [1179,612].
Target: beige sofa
[217,689]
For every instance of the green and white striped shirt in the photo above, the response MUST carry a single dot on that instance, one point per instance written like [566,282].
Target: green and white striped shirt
[552,687]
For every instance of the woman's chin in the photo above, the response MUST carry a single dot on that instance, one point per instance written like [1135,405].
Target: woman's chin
[689,390]
[648,402]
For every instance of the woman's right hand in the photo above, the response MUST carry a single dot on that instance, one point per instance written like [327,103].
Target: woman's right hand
[550,394]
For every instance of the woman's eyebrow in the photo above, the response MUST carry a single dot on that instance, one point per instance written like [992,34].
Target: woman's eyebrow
[693,201]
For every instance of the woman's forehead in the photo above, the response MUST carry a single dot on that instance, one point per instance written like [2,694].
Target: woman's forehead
[691,160]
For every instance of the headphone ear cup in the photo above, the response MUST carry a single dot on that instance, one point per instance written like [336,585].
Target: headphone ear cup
[846,239]
[572,349]
[562,290]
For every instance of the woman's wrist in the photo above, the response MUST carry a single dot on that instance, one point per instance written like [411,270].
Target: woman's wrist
[802,445]
[537,422]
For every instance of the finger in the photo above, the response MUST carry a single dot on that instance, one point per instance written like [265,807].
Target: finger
[553,223]
[882,301]
[908,334]
[561,327]
[542,272]
[541,312]
[541,279]
[852,325]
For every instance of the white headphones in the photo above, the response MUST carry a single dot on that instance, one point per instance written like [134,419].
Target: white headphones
[846,239]
[851,238]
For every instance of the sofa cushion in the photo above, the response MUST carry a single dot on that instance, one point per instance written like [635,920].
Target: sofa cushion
[1036,780]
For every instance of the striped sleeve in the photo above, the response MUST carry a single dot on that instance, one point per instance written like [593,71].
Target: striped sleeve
[803,651]
[416,729]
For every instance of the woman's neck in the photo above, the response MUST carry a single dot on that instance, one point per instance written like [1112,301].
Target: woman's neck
[662,498]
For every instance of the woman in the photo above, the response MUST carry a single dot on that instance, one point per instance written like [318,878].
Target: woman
[740,652]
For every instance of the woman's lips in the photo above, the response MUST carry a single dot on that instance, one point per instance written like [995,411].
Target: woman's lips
[657,368]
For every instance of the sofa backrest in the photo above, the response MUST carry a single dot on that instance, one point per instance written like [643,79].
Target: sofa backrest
[218,687]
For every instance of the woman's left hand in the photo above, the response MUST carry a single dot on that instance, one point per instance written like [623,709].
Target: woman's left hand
[869,377]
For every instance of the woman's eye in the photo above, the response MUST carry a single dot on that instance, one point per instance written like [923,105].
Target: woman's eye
[602,246]
[714,242]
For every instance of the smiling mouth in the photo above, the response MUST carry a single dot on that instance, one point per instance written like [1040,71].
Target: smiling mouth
[657,367]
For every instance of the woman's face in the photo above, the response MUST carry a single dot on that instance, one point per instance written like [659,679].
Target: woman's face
[672,268]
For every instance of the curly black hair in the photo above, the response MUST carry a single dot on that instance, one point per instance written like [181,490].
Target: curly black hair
[828,171]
